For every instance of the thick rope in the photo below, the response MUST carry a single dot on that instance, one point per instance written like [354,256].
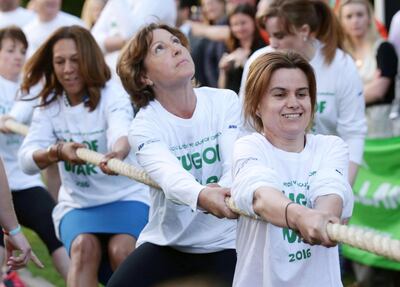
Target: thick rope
[367,240]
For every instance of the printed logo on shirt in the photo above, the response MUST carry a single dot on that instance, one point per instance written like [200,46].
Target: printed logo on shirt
[83,169]
[196,143]
[244,162]
[232,127]
[146,143]
[209,156]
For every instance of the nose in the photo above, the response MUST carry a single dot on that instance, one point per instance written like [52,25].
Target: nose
[274,43]
[292,101]
[176,50]
[68,68]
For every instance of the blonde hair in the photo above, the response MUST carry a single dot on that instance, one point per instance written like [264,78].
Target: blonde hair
[372,34]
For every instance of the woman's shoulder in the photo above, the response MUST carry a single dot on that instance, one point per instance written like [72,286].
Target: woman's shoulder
[319,141]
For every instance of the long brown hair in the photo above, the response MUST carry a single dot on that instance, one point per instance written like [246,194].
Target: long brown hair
[259,77]
[246,9]
[131,68]
[92,66]
[314,13]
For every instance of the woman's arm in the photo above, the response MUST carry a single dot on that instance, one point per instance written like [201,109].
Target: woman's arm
[15,240]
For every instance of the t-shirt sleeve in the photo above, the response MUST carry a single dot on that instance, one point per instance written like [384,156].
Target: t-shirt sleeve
[40,136]
[230,133]
[387,60]
[119,113]
[331,177]
[251,171]
[153,154]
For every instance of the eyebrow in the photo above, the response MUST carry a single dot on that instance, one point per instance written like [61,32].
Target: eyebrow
[284,89]
[171,38]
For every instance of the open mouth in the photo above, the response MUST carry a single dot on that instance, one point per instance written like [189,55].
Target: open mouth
[292,115]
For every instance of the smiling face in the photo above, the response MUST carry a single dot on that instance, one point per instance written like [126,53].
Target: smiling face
[355,19]
[12,58]
[285,109]
[66,68]
[167,62]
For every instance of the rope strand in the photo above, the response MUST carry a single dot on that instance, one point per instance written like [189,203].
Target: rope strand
[367,240]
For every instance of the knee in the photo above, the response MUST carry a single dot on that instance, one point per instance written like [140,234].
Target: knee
[85,249]
[118,252]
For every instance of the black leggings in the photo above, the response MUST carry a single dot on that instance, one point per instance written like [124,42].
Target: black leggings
[33,207]
[151,264]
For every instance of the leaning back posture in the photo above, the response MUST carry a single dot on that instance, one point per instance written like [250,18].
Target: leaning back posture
[296,182]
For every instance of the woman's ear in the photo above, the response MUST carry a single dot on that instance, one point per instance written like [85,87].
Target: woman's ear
[145,80]
[305,32]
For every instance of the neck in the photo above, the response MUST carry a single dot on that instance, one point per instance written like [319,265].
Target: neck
[309,50]
[11,78]
[180,101]
[246,43]
[290,145]
[74,100]
[46,18]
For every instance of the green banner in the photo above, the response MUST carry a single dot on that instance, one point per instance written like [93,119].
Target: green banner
[377,198]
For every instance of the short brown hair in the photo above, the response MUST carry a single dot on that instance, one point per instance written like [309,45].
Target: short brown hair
[92,66]
[14,33]
[131,68]
[259,77]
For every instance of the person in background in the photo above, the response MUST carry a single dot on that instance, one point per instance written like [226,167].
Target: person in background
[183,138]
[376,61]
[121,19]
[32,202]
[48,19]
[11,13]
[98,217]
[295,182]
[311,29]
[394,32]
[91,11]
[243,41]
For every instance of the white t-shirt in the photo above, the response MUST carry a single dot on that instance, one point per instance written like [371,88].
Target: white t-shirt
[37,31]
[126,17]
[10,143]
[340,102]
[84,185]
[19,17]
[270,256]
[182,156]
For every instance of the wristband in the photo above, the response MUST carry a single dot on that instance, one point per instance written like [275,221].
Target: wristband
[286,213]
[13,232]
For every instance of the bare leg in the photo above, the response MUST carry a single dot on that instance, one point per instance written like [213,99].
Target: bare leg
[85,261]
[119,247]
[53,181]
[61,261]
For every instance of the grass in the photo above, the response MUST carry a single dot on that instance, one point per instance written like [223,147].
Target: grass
[48,272]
